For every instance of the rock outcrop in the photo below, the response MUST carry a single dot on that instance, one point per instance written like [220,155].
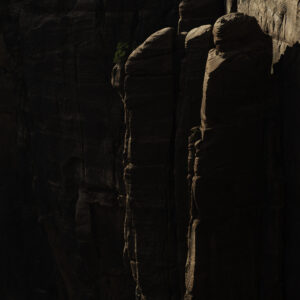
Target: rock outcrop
[228,190]
[70,143]
[149,112]
[80,167]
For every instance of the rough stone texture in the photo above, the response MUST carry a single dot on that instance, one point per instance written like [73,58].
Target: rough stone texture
[62,130]
[17,255]
[194,13]
[228,189]
[68,110]
[196,44]
[149,110]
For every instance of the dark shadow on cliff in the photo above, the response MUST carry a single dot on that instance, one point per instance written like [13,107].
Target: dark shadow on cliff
[287,76]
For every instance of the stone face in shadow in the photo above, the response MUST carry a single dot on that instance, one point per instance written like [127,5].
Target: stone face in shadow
[227,188]
[70,141]
[149,112]
[196,44]
[194,13]
[287,79]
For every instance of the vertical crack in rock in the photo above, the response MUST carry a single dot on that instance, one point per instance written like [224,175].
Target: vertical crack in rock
[228,186]
[70,143]
[149,105]
[64,198]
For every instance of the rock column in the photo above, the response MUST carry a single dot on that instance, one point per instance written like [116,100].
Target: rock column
[228,185]
[149,225]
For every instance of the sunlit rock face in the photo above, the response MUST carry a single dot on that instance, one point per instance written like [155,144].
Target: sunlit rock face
[279,18]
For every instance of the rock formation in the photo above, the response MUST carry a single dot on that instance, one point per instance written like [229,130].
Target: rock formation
[149,110]
[70,142]
[228,186]
[78,162]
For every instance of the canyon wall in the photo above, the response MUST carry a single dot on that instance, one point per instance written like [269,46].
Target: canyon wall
[119,188]
[70,207]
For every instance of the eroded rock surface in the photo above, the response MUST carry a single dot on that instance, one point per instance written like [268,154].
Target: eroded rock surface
[279,18]
[228,183]
[63,199]
[149,110]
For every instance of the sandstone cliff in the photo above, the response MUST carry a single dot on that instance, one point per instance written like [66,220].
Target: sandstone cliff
[125,190]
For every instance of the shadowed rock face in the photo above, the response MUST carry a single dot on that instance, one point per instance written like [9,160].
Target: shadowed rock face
[224,244]
[152,70]
[9,209]
[194,13]
[281,19]
[149,111]
[67,149]
[70,143]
